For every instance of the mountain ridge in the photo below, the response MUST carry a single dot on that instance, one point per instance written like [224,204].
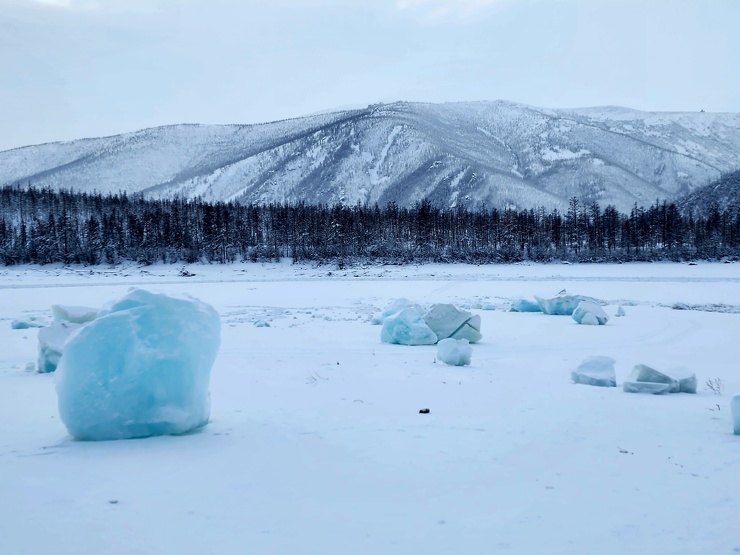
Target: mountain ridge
[457,154]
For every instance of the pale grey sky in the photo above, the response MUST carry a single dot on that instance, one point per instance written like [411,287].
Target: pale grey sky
[81,68]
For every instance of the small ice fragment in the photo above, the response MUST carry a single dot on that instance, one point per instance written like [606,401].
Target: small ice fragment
[25,323]
[589,313]
[687,381]
[455,352]
[597,370]
[51,344]
[524,305]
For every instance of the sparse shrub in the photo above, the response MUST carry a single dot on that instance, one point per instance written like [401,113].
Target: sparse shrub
[715,385]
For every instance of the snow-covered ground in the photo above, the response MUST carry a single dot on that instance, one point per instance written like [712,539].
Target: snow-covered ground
[316,443]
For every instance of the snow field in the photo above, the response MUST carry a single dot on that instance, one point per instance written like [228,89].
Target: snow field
[316,444]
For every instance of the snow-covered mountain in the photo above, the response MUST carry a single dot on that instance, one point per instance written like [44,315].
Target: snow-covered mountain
[498,153]
[725,193]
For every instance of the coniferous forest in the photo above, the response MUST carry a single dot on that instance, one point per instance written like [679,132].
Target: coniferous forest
[43,226]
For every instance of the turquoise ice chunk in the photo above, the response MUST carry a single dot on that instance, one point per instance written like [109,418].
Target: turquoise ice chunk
[142,368]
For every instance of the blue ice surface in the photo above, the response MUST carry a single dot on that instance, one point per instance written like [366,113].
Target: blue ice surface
[407,328]
[596,370]
[524,305]
[561,305]
[141,369]
[735,405]
[590,313]
[455,352]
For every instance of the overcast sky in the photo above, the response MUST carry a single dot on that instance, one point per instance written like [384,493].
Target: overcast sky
[82,68]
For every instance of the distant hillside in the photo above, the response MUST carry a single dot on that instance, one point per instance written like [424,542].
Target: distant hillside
[725,192]
[463,154]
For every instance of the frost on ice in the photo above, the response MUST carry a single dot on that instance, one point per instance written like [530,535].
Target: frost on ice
[142,368]
[589,313]
[524,305]
[73,314]
[561,305]
[735,406]
[446,320]
[51,344]
[675,380]
[455,352]
[407,327]
[598,371]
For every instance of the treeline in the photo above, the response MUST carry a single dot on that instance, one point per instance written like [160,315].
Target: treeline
[42,226]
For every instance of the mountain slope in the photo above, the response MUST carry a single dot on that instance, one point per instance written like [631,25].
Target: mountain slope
[497,153]
[725,193]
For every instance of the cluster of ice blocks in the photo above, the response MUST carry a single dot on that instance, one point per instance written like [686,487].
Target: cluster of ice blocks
[645,379]
[406,323]
[599,371]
